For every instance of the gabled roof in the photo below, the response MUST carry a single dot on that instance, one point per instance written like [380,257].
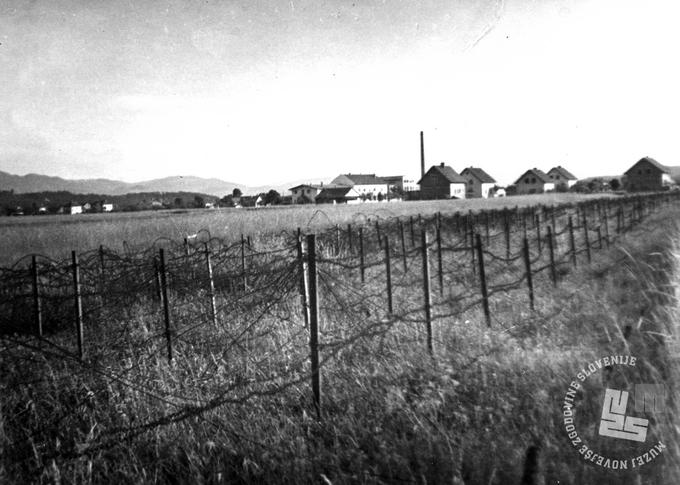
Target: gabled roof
[539,174]
[337,192]
[479,174]
[651,161]
[311,186]
[445,171]
[560,170]
[358,179]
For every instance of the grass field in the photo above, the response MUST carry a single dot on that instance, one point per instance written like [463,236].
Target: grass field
[228,411]
[56,236]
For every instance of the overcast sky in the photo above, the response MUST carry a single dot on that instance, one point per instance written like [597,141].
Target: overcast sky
[264,91]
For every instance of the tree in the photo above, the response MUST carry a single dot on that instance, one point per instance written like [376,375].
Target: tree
[236,192]
[272,198]
[199,202]
[179,202]
[615,184]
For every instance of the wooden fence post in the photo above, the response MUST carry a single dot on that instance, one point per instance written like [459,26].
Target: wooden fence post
[426,290]
[585,234]
[102,270]
[314,322]
[78,304]
[413,232]
[388,273]
[403,245]
[361,255]
[211,285]
[304,290]
[337,239]
[605,220]
[157,280]
[551,250]
[527,266]
[166,304]
[537,225]
[440,265]
[377,233]
[599,237]
[37,307]
[482,280]
[349,237]
[572,241]
[506,229]
[243,263]
[486,227]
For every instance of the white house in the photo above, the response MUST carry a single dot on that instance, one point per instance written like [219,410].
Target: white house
[534,181]
[479,183]
[368,186]
[72,208]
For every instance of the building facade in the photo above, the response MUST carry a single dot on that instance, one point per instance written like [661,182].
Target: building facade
[479,184]
[442,182]
[562,178]
[534,181]
[647,175]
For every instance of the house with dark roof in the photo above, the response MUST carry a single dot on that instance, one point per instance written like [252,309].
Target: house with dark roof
[368,185]
[534,181]
[562,177]
[338,195]
[479,183]
[442,182]
[648,175]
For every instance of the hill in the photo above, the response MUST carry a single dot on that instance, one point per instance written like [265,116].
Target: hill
[33,183]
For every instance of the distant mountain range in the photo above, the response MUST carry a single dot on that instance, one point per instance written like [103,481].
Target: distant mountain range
[211,186]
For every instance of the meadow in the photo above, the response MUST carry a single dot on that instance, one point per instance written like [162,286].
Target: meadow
[57,236]
[461,399]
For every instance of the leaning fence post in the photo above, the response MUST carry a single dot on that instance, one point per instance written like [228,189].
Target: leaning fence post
[314,322]
[426,290]
[482,280]
[361,255]
[78,307]
[527,266]
[388,273]
[537,224]
[211,284]
[304,290]
[166,305]
[377,232]
[551,250]
[572,241]
[37,308]
[599,237]
[413,232]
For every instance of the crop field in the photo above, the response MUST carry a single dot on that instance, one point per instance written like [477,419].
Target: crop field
[57,236]
[427,344]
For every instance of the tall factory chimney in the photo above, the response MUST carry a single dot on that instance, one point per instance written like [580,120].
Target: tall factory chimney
[422,156]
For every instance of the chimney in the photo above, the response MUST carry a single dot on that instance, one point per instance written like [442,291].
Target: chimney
[422,156]
[441,164]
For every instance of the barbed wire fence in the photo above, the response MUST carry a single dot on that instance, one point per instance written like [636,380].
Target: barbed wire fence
[268,315]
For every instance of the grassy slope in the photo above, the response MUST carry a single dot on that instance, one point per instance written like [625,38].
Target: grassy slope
[393,415]
[56,236]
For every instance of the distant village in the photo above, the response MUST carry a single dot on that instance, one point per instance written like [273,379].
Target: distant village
[440,181]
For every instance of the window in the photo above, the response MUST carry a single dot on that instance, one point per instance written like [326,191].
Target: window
[533,180]
[639,172]
[526,180]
